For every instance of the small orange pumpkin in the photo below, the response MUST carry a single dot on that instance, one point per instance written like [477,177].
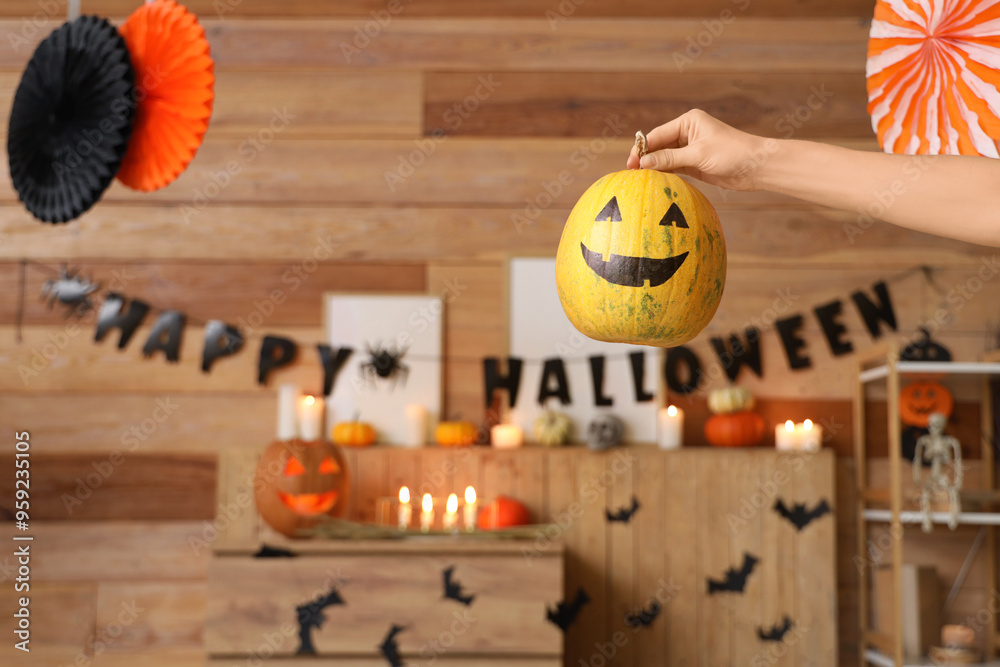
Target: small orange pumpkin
[353,434]
[298,482]
[735,429]
[918,400]
[503,512]
[456,434]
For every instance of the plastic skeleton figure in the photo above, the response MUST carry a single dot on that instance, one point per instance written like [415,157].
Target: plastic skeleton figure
[939,448]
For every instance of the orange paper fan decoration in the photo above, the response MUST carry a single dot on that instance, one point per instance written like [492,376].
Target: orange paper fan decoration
[933,75]
[174,80]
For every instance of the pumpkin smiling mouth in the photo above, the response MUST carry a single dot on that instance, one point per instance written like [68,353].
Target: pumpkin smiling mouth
[309,503]
[632,271]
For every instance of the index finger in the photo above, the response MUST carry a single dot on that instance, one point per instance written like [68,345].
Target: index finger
[672,134]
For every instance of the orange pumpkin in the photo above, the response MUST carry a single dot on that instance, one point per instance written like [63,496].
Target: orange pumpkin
[503,512]
[918,400]
[456,434]
[735,429]
[299,482]
[353,434]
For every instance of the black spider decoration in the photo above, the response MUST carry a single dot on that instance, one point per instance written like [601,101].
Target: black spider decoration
[70,289]
[385,363]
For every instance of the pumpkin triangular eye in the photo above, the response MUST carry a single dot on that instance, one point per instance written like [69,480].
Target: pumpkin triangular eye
[610,212]
[293,467]
[328,466]
[674,217]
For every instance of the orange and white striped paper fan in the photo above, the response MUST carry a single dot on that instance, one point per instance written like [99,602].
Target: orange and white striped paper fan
[933,76]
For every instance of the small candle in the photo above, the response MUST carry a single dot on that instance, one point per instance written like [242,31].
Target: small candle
[288,394]
[670,431]
[405,511]
[310,418]
[450,521]
[416,425]
[811,436]
[469,511]
[426,513]
[506,436]
[786,437]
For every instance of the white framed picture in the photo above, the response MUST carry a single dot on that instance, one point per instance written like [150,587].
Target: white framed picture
[395,363]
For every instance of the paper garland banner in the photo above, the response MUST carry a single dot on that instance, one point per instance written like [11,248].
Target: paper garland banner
[933,74]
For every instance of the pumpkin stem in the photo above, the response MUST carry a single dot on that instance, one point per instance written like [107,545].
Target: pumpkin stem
[640,142]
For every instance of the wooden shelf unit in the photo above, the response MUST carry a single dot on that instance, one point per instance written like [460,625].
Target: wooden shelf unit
[883,362]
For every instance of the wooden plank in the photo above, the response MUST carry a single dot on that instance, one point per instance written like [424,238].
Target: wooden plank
[370,481]
[247,295]
[120,485]
[745,535]
[530,481]
[447,660]
[593,478]
[62,615]
[565,510]
[778,554]
[151,615]
[804,45]
[116,550]
[621,561]
[171,657]
[249,598]
[544,104]
[496,476]
[714,558]
[236,520]
[652,582]
[682,500]
[209,9]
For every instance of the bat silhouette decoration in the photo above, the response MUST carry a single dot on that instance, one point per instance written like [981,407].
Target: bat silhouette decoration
[775,633]
[643,618]
[267,551]
[311,616]
[390,648]
[566,612]
[453,589]
[625,513]
[798,515]
[735,579]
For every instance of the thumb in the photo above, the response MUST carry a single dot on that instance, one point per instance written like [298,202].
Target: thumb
[668,159]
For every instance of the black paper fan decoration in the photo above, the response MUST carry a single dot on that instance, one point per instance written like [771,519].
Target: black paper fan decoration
[71,119]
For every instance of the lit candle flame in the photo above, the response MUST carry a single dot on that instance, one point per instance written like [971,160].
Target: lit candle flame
[470,495]
[310,400]
[427,503]
[672,411]
[807,424]
[452,505]
[789,426]
[404,495]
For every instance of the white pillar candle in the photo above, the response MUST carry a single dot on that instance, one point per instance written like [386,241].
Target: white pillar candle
[288,395]
[469,511]
[450,521]
[416,425]
[426,513]
[670,427]
[786,436]
[405,511]
[811,436]
[310,418]
[506,436]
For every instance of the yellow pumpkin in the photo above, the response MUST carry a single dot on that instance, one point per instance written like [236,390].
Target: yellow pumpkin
[353,434]
[729,399]
[456,434]
[642,260]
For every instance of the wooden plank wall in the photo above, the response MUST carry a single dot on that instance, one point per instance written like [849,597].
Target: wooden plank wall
[295,193]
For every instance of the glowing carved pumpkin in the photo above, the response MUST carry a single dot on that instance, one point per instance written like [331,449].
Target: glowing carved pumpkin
[918,400]
[642,260]
[298,482]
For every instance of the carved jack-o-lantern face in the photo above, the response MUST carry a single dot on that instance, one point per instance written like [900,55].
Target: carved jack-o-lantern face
[297,482]
[642,259]
[918,400]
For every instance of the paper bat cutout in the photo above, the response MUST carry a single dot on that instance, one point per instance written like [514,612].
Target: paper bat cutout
[565,613]
[643,618]
[625,513]
[735,580]
[453,589]
[799,516]
[267,551]
[777,632]
[311,616]
[389,647]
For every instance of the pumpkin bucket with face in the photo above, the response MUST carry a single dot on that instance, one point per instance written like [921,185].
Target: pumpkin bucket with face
[642,260]
[918,400]
[298,482]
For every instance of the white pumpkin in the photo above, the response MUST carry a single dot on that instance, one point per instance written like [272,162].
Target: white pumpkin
[730,399]
[552,428]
